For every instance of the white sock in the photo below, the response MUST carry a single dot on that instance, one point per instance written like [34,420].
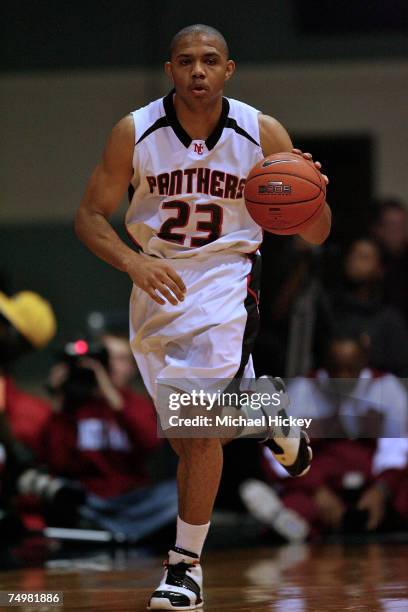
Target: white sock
[190,538]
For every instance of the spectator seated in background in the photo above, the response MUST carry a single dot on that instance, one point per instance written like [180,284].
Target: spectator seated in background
[102,434]
[357,308]
[27,322]
[391,231]
[355,481]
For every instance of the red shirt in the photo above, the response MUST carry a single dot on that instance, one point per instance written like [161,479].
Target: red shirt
[106,450]
[27,416]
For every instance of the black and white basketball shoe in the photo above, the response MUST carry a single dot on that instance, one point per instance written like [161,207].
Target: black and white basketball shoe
[289,444]
[181,586]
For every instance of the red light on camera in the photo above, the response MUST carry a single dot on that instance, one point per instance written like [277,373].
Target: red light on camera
[81,347]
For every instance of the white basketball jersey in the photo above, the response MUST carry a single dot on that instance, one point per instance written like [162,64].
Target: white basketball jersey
[186,196]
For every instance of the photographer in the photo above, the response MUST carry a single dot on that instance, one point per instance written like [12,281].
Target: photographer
[27,322]
[102,434]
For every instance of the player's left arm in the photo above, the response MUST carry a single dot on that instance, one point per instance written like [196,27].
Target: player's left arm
[275,139]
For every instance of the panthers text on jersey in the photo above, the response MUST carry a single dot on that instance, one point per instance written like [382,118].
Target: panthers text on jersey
[186,196]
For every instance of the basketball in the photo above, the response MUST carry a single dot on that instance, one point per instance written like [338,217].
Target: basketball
[285,193]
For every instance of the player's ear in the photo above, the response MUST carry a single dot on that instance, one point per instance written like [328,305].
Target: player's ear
[167,70]
[230,69]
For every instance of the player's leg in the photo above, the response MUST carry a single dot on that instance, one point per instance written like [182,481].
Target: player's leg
[200,461]
[198,477]
[289,445]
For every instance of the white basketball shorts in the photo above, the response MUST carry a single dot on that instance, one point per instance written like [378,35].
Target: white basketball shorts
[208,336]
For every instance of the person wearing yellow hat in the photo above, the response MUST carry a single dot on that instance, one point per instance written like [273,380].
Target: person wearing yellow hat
[31,315]
[27,322]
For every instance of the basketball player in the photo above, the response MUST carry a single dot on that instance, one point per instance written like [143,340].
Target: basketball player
[194,267]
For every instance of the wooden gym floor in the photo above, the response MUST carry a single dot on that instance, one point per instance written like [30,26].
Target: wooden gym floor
[290,578]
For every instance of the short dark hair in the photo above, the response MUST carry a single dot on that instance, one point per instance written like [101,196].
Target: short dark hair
[383,205]
[198,28]
[371,240]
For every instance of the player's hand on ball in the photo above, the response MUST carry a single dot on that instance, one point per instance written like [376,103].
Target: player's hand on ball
[309,157]
[158,279]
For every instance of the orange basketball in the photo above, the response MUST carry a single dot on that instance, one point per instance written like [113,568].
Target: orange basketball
[285,193]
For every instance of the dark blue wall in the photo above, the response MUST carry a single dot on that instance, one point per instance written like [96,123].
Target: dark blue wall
[51,34]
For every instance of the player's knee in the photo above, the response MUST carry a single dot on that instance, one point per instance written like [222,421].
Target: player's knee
[200,446]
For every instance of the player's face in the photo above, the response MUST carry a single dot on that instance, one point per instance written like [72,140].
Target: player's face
[199,68]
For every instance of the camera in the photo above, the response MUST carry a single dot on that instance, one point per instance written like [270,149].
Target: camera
[80,382]
[59,498]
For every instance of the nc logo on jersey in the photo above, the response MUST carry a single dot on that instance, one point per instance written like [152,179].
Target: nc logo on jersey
[198,148]
[275,188]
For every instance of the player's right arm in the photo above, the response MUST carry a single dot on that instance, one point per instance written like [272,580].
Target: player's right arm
[104,192]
